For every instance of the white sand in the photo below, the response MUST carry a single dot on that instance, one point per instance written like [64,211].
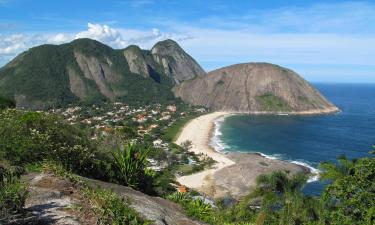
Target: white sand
[198,131]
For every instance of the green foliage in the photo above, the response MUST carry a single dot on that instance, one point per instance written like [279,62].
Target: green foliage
[350,198]
[128,132]
[282,200]
[130,166]
[270,102]
[31,137]
[107,205]
[111,209]
[195,208]
[6,103]
[172,132]
[39,77]
[13,193]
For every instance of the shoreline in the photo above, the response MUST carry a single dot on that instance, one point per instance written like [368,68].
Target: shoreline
[200,131]
[312,112]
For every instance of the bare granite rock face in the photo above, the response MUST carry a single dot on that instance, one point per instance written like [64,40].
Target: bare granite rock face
[175,61]
[100,72]
[136,60]
[254,88]
[166,57]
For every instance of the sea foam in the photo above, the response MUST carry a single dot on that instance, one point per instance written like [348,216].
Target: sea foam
[217,143]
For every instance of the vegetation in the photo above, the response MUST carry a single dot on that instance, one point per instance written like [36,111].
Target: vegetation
[6,103]
[350,199]
[278,199]
[172,133]
[195,208]
[107,206]
[270,102]
[13,193]
[45,69]
[31,139]
[130,166]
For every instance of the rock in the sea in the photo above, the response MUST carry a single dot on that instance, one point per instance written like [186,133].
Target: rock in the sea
[254,88]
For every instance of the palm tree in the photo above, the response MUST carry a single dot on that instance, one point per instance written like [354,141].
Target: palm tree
[333,171]
[283,200]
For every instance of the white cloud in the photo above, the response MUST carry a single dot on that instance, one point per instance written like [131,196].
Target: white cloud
[59,38]
[12,44]
[104,34]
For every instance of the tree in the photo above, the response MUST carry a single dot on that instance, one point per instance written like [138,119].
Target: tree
[186,145]
[282,200]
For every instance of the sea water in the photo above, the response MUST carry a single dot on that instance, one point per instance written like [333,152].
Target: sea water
[307,140]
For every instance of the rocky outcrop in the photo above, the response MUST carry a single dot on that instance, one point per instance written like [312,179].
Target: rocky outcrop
[158,210]
[136,60]
[51,197]
[100,72]
[254,88]
[176,62]
[167,58]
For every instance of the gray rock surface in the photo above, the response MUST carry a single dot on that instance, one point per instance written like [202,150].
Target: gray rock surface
[161,211]
[51,196]
[176,62]
[247,167]
[254,88]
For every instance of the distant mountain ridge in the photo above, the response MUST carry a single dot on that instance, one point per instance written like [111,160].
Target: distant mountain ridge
[87,71]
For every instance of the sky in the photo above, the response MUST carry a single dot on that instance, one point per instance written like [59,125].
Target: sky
[324,41]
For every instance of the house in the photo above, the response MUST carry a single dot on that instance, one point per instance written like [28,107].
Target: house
[172,108]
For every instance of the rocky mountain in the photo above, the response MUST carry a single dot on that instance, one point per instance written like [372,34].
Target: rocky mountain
[254,88]
[88,71]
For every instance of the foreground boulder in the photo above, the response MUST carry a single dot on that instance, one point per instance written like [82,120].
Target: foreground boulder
[51,197]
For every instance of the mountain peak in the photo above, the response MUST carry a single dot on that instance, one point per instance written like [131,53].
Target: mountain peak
[166,47]
[176,61]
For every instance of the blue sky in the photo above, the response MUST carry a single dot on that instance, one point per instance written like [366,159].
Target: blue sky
[324,41]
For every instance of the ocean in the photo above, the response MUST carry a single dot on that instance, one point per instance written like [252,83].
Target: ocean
[307,140]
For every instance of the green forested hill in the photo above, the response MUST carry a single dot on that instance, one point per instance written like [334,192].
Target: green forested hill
[87,71]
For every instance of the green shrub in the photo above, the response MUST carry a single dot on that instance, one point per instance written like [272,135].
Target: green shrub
[129,166]
[195,208]
[172,132]
[13,193]
[6,103]
[107,205]
[31,137]
[271,102]
[111,209]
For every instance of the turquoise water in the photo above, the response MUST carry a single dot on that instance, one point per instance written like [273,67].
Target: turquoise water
[308,140]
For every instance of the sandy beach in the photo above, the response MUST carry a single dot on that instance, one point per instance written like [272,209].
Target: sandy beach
[219,181]
[198,131]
